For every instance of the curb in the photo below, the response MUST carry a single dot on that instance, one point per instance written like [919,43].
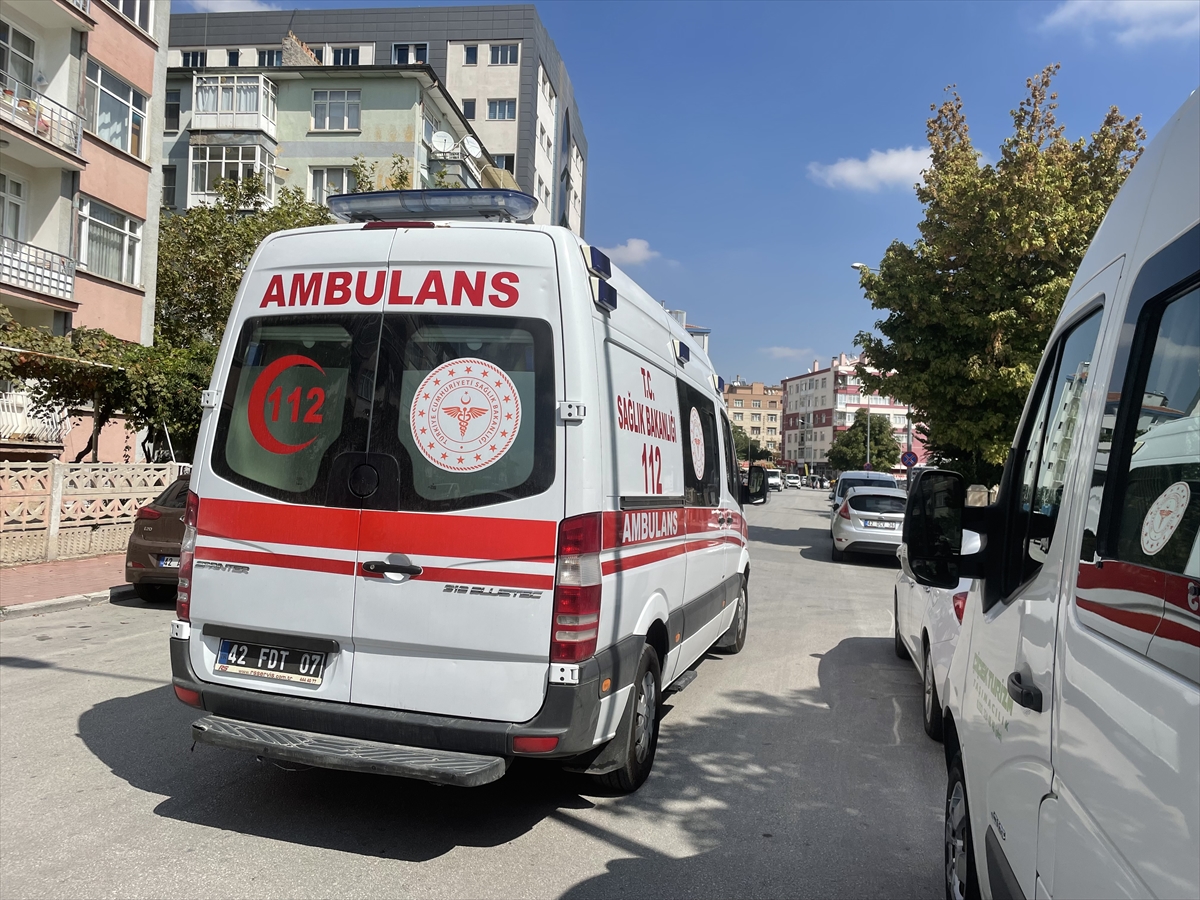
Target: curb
[75,601]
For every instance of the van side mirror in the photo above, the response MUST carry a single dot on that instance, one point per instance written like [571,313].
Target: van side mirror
[754,491]
[933,527]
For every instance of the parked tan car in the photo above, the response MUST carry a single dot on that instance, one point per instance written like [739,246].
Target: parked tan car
[152,556]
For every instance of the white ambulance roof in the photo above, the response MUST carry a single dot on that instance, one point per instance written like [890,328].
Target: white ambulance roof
[1158,202]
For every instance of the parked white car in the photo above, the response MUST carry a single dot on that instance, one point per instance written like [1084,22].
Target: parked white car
[868,521]
[1072,707]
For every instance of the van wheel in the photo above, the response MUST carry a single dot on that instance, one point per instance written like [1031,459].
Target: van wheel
[643,731]
[933,705]
[733,640]
[155,593]
[962,881]
[901,650]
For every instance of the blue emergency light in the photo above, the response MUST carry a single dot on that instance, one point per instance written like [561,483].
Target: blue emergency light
[451,203]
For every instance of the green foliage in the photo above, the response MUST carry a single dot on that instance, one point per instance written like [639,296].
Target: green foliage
[202,253]
[366,175]
[747,448]
[849,451]
[971,303]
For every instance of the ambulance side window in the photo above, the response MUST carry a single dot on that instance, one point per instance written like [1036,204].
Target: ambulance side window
[731,470]
[701,448]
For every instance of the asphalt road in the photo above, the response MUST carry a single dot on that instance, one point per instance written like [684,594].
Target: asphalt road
[796,768]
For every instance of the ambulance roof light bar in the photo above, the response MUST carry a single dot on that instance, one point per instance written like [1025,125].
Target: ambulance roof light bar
[451,203]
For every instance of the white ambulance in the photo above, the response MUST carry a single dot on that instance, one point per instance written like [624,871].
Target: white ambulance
[1072,709]
[463,492]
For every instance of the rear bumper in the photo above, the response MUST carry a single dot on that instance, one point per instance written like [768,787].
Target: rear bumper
[855,545]
[569,712]
[146,555]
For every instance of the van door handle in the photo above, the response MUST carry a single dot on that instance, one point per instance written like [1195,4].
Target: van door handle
[379,567]
[1027,696]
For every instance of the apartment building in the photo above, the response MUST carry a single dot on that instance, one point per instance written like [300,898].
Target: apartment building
[301,123]
[79,187]
[757,409]
[822,403]
[498,63]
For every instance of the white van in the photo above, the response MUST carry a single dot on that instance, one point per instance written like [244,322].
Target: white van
[1072,709]
[463,492]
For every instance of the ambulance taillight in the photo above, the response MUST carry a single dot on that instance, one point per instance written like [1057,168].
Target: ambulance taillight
[577,589]
[187,554]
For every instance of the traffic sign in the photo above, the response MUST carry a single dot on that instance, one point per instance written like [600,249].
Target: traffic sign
[909,459]
[867,467]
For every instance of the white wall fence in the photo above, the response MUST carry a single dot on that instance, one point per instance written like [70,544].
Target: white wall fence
[60,510]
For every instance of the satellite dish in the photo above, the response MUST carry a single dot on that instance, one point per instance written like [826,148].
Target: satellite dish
[472,146]
[442,141]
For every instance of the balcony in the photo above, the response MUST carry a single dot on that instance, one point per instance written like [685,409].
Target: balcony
[34,269]
[84,6]
[25,434]
[234,103]
[43,118]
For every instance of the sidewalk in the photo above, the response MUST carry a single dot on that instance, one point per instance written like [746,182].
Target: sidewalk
[68,582]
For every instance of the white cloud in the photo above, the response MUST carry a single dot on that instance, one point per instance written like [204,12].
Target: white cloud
[1129,21]
[217,6]
[789,352]
[633,252]
[891,168]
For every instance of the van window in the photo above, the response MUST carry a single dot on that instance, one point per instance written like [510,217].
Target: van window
[465,405]
[298,394]
[731,469]
[1046,449]
[701,452]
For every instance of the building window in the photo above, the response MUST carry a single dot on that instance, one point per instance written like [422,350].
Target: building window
[234,58]
[194,59]
[16,55]
[771,404]
[235,94]
[502,109]
[109,242]
[504,161]
[168,195]
[737,417]
[345,56]
[468,109]
[12,207]
[754,430]
[471,55]
[210,164]
[116,113]
[755,417]
[757,404]
[737,402]
[171,110]
[269,59]
[329,182]
[504,54]
[771,418]
[136,11]
[403,54]
[336,110]
[318,54]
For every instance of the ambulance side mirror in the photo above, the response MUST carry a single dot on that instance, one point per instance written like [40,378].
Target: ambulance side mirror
[754,491]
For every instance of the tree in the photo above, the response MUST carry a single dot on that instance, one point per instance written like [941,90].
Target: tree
[747,448]
[971,303]
[366,175]
[203,252]
[848,452]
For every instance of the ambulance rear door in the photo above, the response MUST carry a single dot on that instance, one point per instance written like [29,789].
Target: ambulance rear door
[272,581]
[455,576]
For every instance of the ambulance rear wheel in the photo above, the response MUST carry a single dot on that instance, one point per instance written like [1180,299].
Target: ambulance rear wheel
[643,731]
[733,640]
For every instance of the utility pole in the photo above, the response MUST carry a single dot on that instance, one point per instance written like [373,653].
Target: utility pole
[868,433]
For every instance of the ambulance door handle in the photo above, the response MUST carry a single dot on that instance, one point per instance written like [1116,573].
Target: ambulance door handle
[1026,695]
[379,567]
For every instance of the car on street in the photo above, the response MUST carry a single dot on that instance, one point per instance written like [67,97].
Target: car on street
[152,554]
[791,480]
[848,480]
[868,521]
[1071,723]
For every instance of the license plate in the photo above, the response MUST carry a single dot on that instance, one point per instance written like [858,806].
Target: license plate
[891,526]
[168,562]
[276,663]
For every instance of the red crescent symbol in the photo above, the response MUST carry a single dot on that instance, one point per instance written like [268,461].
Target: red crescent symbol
[258,399]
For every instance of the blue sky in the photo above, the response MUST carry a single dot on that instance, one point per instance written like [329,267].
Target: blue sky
[742,156]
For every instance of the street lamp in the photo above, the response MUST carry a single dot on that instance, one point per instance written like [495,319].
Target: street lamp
[862,267]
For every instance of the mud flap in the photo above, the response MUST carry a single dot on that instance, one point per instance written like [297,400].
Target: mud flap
[609,756]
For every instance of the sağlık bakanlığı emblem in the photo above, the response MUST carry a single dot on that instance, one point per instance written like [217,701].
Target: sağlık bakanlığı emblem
[465,415]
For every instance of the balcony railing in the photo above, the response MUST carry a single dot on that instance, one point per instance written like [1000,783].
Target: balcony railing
[84,6]
[458,155]
[18,421]
[42,117]
[34,269]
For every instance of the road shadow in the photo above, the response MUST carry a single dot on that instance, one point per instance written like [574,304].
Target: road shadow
[830,790]
[783,537]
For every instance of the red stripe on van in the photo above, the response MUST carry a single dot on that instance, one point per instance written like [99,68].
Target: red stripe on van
[1171,630]
[1138,621]
[280,523]
[469,537]
[631,561]
[492,579]
[1115,575]
[276,560]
